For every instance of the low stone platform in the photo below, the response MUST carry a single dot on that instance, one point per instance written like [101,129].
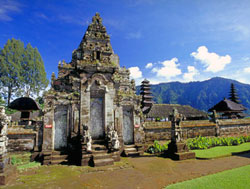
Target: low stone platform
[7,174]
[179,151]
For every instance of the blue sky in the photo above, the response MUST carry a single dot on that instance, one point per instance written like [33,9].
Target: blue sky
[161,40]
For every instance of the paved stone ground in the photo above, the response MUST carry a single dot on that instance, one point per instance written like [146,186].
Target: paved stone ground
[142,172]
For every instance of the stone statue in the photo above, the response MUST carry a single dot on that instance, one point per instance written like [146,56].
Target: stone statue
[115,140]
[176,131]
[87,139]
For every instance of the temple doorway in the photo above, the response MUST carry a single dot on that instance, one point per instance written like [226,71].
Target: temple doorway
[60,137]
[128,128]
[96,118]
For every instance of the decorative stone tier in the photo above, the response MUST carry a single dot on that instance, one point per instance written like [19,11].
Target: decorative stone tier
[179,151]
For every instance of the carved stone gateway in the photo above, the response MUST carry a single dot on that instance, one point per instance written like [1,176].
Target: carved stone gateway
[128,126]
[96,118]
[95,92]
[60,140]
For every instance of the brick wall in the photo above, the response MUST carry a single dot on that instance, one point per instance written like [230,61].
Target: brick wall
[21,139]
[162,130]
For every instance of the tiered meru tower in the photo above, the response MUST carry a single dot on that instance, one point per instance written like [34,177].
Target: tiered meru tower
[92,104]
[147,98]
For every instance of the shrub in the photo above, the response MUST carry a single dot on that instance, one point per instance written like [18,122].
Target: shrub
[157,147]
[207,142]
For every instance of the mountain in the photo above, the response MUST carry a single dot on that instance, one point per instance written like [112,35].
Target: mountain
[200,94]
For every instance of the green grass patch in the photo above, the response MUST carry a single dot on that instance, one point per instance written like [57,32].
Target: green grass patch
[235,178]
[28,165]
[20,158]
[221,151]
[22,161]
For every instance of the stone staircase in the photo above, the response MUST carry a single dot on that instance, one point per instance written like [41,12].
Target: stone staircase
[100,156]
[132,150]
[55,157]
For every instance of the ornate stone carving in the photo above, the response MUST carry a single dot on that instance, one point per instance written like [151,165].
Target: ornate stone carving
[176,131]
[4,121]
[87,139]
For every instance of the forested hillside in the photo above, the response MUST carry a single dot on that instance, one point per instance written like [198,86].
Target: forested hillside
[201,95]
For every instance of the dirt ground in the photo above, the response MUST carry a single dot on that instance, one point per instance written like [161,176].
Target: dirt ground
[143,172]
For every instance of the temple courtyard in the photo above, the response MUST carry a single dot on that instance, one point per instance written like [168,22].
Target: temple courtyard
[139,172]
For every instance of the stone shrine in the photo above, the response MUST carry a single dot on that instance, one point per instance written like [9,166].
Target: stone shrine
[91,107]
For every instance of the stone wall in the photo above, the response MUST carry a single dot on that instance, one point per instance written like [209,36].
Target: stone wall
[191,129]
[23,138]
[234,127]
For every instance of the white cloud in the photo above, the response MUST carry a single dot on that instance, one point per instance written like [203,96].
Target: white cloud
[135,72]
[189,76]
[134,35]
[8,7]
[246,70]
[211,61]
[169,69]
[149,65]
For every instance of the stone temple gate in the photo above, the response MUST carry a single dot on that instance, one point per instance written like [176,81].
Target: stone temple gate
[92,103]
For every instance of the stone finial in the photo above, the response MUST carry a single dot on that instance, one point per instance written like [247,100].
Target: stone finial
[53,76]
[97,19]
[63,63]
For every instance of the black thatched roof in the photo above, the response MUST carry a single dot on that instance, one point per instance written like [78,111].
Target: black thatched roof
[24,104]
[227,105]
[164,110]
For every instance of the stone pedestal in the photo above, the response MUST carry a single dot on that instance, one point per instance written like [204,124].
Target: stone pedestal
[179,151]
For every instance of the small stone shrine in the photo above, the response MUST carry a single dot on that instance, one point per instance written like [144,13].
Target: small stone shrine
[177,148]
[6,169]
[91,111]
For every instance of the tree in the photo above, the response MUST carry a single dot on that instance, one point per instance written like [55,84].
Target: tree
[11,57]
[233,95]
[21,70]
[33,72]
[2,102]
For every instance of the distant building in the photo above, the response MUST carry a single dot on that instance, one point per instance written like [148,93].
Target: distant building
[161,112]
[229,109]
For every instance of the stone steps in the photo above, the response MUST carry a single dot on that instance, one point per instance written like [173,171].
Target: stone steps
[54,157]
[103,162]
[59,157]
[102,156]
[98,147]
[132,150]
[58,161]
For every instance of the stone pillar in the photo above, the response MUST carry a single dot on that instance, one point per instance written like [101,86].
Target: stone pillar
[177,148]
[216,121]
[109,106]
[84,107]
[6,169]
[48,131]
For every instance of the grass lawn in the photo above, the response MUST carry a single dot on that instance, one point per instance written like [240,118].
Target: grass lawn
[235,178]
[221,151]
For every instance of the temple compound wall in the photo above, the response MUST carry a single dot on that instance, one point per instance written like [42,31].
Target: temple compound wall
[191,129]
[92,94]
